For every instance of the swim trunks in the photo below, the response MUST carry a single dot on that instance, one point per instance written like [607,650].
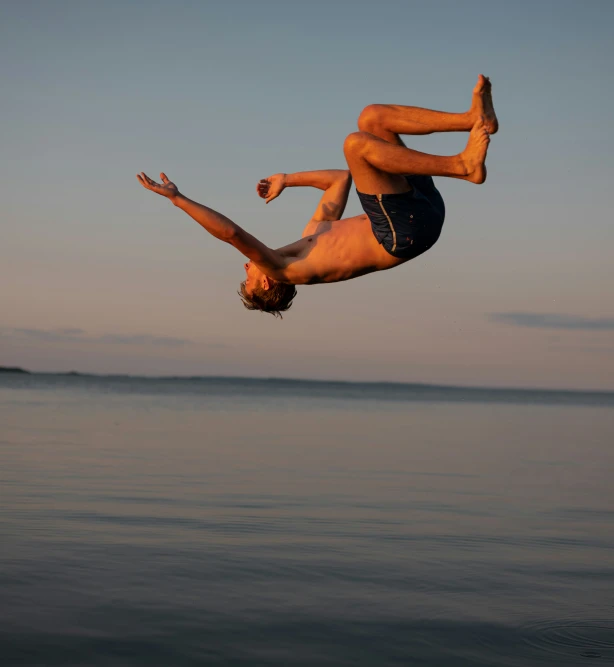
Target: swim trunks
[409,223]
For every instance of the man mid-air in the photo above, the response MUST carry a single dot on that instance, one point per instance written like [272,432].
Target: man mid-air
[404,211]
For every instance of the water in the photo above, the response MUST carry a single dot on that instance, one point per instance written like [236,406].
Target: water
[243,522]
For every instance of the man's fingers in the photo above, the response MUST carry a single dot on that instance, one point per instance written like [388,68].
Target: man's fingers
[164,177]
[150,181]
[264,188]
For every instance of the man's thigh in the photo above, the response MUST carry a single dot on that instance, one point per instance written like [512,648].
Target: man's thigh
[367,178]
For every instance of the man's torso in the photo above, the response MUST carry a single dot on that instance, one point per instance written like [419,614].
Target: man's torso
[393,229]
[336,251]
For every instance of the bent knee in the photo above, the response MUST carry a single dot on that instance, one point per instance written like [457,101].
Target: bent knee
[354,143]
[370,117]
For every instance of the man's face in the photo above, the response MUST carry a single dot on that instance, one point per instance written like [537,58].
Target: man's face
[254,278]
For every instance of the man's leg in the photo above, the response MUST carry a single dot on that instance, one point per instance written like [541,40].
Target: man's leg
[379,167]
[387,121]
[379,160]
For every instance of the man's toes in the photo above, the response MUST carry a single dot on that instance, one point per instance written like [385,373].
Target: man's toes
[479,86]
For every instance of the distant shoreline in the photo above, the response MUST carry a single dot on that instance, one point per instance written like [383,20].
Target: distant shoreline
[255,380]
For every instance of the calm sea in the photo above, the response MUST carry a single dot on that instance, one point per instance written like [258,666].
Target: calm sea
[211,521]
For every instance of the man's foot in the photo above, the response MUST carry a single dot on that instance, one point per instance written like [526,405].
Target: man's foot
[482,105]
[474,155]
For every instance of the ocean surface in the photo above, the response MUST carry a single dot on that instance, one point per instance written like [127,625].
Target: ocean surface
[212,521]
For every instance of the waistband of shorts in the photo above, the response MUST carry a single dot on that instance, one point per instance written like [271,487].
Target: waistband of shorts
[391,195]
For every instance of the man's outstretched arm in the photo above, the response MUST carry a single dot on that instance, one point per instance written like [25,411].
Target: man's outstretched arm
[220,226]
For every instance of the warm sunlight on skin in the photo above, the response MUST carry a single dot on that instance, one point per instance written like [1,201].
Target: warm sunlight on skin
[254,278]
[332,249]
[223,99]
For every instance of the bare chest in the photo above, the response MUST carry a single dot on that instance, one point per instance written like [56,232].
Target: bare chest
[342,250]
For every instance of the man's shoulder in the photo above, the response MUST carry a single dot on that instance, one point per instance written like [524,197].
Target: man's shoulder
[293,249]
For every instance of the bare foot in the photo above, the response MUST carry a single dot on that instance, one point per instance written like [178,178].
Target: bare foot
[482,105]
[474,155]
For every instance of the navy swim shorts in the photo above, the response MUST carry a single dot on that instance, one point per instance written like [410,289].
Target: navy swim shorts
[409,223]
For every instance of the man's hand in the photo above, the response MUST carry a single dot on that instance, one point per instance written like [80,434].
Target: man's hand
[166,188]
[270,188]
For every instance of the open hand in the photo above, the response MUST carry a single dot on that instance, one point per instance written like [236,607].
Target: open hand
[166,188]
[270,188]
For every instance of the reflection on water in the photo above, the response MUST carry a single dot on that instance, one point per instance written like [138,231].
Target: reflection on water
[270,526]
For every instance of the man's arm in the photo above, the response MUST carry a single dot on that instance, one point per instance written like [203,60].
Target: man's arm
[336,184]
[218,225]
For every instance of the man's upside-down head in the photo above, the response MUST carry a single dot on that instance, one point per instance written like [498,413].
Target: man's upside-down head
[259,292]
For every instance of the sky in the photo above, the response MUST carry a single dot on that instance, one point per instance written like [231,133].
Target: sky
[99,275]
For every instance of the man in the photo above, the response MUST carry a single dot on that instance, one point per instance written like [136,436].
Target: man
[404,212]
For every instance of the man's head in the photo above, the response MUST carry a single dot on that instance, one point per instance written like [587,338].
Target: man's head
[259,292]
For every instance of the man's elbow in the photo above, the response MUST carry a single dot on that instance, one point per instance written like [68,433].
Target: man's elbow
[346,177]
[231,236]
[345,183]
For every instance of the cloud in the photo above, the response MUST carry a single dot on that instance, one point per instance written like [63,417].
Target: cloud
[143,339]
[554,321]
[74,335]
[71,332]
[44,336]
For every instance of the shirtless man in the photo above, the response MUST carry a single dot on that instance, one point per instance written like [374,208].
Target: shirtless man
[404,212]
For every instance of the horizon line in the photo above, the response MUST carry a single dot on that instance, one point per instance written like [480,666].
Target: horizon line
[427,385]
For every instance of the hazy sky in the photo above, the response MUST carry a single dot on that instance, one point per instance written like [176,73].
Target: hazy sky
[97,274]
